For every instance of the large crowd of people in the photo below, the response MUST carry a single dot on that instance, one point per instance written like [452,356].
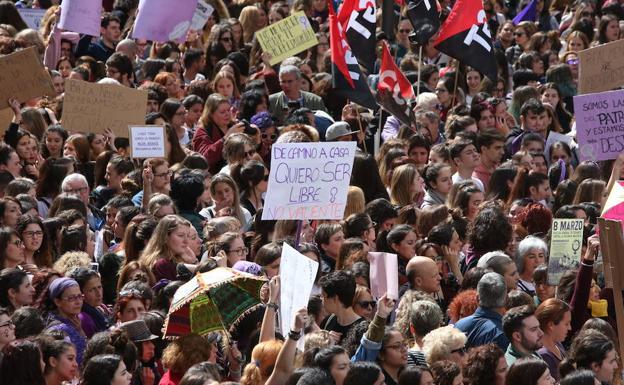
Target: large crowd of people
[94,243]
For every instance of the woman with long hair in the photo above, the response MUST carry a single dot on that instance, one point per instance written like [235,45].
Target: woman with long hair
[53,141]
[106,369]
[16,291]
[554,317]
[94,314]
[10,211]
[11,248]
[52,173]
[400,240]
[406,185]
[231,245]
[174,113]
[438,183]
[226,201]
[252,178]
[36,246]
[16,366]
[551,95]
[59,357]
[529,371]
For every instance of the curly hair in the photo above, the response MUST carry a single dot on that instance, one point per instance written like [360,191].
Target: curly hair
[490,220]
[185,352]
[464,304]
[402,320]
[536,218]
[439,343]
[481,363]
[445,372]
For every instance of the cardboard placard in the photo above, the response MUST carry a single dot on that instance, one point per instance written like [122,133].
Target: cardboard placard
[82,16]
[201,16]
[32,16]
[600,125]
[90,107]
[287,37]
[147,141]
[308,180]
[565,248]
[23,77]
[297,274]
[164,20]
[384,278]
[601,68]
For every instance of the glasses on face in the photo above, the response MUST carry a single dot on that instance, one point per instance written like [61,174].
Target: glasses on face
[74,298]
[267,136]
[367,304]
[79,190]
[572,61]
[240,251]
[168,173]
[460,351]
[398,346]
[32,234]
[9,323]
[17,242]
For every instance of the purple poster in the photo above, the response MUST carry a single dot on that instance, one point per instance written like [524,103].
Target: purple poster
[600,125]
[82,16]
[164,20]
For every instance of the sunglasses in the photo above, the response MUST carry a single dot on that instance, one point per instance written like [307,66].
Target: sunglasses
[272,136]
[572,61]
[366,304]
[460,351]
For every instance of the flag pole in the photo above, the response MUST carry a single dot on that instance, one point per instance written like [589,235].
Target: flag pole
[455,86]
[419,68]
[377,140]
[359,120]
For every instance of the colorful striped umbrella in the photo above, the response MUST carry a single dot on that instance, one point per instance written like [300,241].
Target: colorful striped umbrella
[212,301]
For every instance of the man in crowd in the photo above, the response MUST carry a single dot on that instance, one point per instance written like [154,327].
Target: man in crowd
[104,47]
[466,158]
[523,331]
[338,290]
[291,97]
[491,147]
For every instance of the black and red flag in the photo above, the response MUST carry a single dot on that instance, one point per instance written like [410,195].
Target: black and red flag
[347,79]
[425,18]
[394,90]
[466,37]
[358,19]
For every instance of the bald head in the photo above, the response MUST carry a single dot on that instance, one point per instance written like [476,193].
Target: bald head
[128,47]
[423,274]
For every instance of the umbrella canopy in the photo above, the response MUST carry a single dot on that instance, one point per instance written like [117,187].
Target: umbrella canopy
[212,301]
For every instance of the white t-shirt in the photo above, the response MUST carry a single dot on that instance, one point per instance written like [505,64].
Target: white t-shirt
[457,178]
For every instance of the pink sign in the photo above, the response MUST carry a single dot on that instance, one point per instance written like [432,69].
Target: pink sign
[82,16]
[384,274]
[164,20]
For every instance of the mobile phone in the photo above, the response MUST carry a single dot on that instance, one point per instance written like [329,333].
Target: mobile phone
[95,267]
[293,105]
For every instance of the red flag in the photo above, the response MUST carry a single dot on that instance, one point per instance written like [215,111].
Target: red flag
[466,37]
[347,79]
[358,19]
[393,89]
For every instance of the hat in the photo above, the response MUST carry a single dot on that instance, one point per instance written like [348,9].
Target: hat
[263,120]
[337,130]
[138,331]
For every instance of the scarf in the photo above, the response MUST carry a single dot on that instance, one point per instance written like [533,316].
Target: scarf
[101,323]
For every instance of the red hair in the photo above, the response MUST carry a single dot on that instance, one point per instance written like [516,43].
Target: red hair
[464,304]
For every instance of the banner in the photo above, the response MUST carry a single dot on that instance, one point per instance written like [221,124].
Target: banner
[614,206]
[600,125]
[164,20]
[358,19]
[297,274]
[383,275]
[32,16]
[394,90]
[90,107]
[23,77]
[308,180]
[83,16]
[601,68]
[287,37]
[201,16]
[565,248]
[147,141]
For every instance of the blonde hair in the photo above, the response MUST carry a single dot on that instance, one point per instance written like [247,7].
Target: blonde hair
[356,203]
[185,352]
[439,343]
[402,321]
[590,190]
[157,246]
[158,201]
[249,19]
[72,259]
[400,184]
[226,75]
[262,363]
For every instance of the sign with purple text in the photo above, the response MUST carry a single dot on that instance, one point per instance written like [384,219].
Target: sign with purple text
[164,20]
[600,125]
[81,16]
[308,180]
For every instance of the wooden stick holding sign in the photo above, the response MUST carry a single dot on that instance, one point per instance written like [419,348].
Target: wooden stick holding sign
[611,242]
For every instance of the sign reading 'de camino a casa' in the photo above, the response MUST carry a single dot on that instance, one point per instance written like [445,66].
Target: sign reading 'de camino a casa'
[308,180]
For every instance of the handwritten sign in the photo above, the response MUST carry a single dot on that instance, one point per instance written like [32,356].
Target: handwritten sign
[32,16]
[565,248]
[287,37]
[383,275]
[600,125]
[23,77]
[308,180]
[81,16]
[601,68]
[164,20]
[90,107]
[297,274]
[147,141]
[201,16]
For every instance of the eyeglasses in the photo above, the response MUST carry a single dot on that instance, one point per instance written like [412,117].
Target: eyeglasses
[460,351]
[17,242]
[74,298]
[9,323]
[272,136]
[367,304]
[572,61]
[168,173]
[32,234]
[240,251]
[399,346]
[79,190]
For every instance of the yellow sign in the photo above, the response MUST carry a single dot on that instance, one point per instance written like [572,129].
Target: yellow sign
[565,248]
[287,37]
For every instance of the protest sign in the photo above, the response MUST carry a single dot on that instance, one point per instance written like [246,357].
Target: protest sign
[614,206]
[6,116]
[147,141]
[601,68]
[383,275]
[90,107]
[287,37]
[297,275]
[83,16]
[565,248]
[308,180]
[201,16]
[600,125]
[164,20]
[557,137]
[32,16]
[23,77]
